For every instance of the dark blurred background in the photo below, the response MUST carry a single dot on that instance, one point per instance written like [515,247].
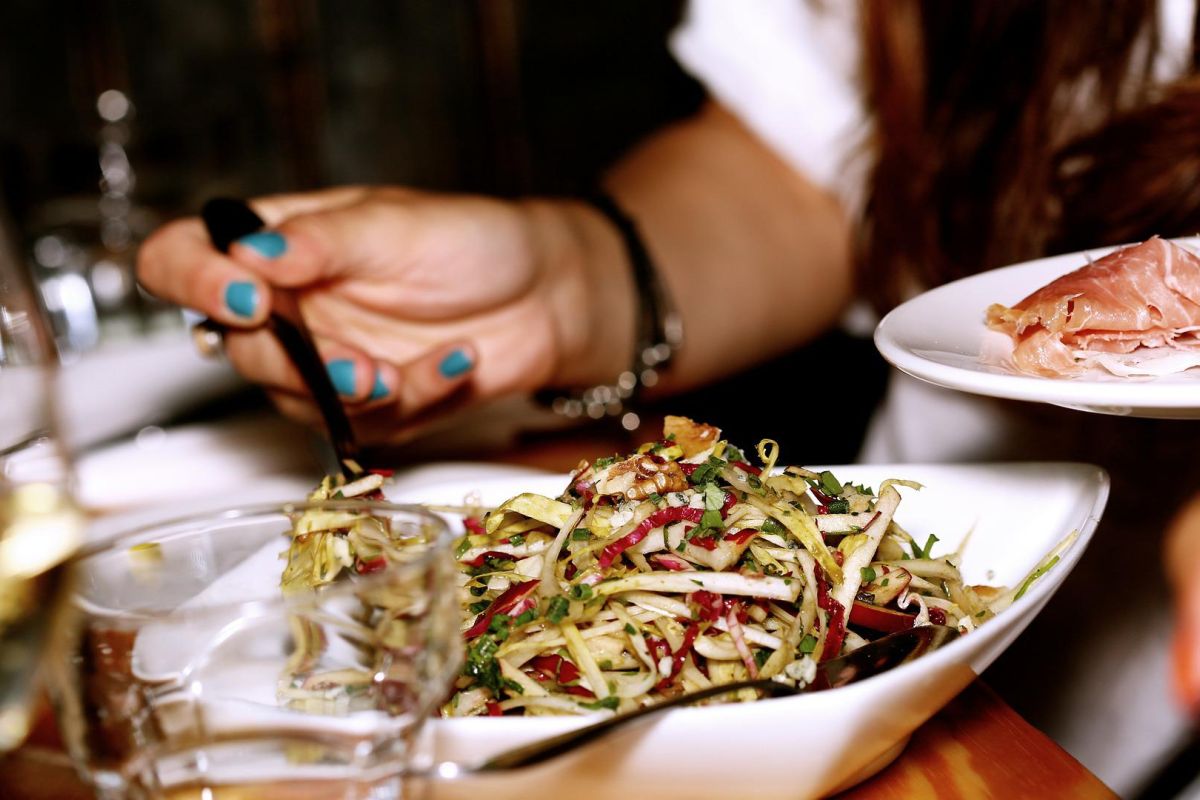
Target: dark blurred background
[119,114]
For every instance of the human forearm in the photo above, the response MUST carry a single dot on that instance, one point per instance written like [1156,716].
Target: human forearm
[756,257]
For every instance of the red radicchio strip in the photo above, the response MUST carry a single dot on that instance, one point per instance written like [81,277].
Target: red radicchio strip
[740,536]
[366,567]
[507,603]
[555,667]
[670,562]
[478,560]
[835,632]
[657,519]
[474,526]
[878,618]
[689,639]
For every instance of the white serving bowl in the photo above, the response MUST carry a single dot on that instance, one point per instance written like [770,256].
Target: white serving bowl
[809,745]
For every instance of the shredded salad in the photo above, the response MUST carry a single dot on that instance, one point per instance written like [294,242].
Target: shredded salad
[685,564]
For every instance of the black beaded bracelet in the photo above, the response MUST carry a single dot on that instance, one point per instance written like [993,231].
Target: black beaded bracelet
[659,335]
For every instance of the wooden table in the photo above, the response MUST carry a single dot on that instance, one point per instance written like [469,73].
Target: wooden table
[977,746]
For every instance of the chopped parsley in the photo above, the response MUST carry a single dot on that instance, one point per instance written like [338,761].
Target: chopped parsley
[556,609]
[481,663]
[580,535]
[604,463]
[500,627]
[771,526]
[478,608]
[611,702]
[923,552]
[829,484]
[708,471]
[838,506]
[868,574]
[517,539]
[808,644]
[462,547]
[714,497]
[581,591]
[630,629]
[1037,573]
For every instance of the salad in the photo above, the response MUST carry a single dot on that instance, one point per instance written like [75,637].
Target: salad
[685,564]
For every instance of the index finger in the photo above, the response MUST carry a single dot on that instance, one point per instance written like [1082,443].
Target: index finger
[178,264]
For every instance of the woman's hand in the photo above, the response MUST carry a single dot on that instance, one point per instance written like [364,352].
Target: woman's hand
[1183,566]
[418,302]
[421,302]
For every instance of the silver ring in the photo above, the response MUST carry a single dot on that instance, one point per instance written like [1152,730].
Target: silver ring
[209,338]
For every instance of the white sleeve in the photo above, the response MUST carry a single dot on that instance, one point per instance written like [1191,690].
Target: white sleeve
[788,70]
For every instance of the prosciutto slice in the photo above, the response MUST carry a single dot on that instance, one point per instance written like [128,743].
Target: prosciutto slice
[1134,312]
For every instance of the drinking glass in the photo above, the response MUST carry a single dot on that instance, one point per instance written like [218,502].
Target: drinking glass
[39,525]
[189,672]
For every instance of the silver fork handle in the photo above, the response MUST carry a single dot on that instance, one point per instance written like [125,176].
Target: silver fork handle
[544,749]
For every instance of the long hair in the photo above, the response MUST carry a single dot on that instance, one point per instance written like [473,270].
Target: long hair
[1010,129]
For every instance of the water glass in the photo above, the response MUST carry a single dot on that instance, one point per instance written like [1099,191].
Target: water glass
[188,672]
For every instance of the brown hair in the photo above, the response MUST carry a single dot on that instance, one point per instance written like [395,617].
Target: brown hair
[1010,129]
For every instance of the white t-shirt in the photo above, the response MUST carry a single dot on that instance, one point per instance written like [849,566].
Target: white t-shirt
[789,70]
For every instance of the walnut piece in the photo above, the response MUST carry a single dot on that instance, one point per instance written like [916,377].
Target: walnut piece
[638,477]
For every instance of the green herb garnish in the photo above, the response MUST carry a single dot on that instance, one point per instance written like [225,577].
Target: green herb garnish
[610,703]
[557,608]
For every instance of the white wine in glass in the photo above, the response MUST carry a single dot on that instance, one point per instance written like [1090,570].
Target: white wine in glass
[39,524]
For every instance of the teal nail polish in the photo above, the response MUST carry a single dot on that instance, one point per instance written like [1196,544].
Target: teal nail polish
[455,364]
[341,374]
[379,389]
[241,297]
[267,244]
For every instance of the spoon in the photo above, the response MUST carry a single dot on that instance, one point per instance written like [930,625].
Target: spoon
[867,661]
[228,220]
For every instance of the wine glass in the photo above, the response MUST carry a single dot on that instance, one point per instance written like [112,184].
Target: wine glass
[39,524]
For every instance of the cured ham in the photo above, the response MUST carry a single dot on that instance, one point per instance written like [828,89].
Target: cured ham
[1134,312]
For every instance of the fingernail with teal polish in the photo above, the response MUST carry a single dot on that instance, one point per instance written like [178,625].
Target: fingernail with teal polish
[379,389]
[241,297]
[341,374]
[455,364]
[267,244]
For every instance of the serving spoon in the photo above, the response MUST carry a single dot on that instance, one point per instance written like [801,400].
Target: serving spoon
[227,220]
[867,661]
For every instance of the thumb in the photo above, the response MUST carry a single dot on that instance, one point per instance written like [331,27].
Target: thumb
[1183,565]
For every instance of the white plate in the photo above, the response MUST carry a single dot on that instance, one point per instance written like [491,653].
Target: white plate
[938,335]
[809,745]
